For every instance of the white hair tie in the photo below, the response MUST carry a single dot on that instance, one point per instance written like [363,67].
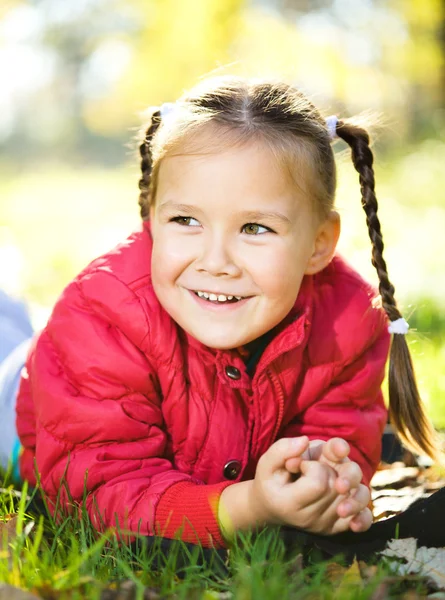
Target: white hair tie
[399,326]
[331,124]
[167,109]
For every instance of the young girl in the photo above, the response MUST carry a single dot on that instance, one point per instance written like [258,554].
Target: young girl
[215,370]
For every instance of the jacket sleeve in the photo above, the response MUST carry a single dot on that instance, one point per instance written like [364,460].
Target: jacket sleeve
[348,403]
[99,424]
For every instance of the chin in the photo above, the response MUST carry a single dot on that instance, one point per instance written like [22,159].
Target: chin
[218,341]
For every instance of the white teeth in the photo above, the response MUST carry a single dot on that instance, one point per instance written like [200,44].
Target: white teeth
[217,297]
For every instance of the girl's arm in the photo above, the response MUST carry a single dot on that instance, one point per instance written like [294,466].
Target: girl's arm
[98,421]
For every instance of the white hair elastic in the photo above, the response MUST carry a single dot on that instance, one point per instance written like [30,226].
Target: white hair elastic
[167,109]
[331,124]
[399,326]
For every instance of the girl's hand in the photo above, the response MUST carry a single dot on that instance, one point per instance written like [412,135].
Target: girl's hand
[348,482]
[311,502]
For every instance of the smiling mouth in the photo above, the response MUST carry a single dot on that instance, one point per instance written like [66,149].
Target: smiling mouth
[218,298]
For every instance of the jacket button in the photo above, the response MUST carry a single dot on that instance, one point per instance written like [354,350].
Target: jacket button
[233,372]
[232,469]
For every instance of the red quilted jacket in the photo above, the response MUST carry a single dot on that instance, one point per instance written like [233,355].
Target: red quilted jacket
[160,424]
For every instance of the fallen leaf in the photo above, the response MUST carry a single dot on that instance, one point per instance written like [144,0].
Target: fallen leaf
[367,571]
[429,562]
[394,477]
[389,502]
[8,592]
[351,579]
[295,566]
[335,572]
[7,535]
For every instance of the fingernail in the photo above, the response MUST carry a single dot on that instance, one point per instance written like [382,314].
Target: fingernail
[347,507]
[346,483]
[298,442]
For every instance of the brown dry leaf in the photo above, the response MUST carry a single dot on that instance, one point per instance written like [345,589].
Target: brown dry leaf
[367,571]
[7,535]
[429,562]
[335,572]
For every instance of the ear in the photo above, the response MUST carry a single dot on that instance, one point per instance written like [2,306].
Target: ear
[325,243]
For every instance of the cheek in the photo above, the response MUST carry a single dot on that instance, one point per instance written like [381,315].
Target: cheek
[279,273]
[168,260]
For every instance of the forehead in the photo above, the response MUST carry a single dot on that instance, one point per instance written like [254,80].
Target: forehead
[248,172]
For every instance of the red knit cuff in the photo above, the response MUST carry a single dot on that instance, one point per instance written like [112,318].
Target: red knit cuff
[190,512]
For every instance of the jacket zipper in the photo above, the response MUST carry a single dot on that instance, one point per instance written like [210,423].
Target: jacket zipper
[280,395]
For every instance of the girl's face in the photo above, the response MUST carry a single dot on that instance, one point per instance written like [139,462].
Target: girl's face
[232,239]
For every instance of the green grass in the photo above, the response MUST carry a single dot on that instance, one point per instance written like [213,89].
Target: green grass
[65,558]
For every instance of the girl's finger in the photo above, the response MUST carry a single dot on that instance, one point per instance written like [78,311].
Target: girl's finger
[317,483]
[362,521]
[349,476]
[275,457]
[335,450]
[354,504]
[293,464]
[314,450]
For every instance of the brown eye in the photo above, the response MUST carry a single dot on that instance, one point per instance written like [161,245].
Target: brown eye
[187,221]
[251,228]
[254,229]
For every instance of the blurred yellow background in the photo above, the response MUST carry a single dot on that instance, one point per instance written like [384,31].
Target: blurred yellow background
[76,76]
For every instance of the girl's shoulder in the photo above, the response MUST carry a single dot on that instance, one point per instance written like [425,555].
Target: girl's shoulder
[115,287]
[347,313]
[129,261]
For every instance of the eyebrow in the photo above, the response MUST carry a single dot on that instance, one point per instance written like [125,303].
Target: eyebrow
[260,216]
[169,205]
[248,216]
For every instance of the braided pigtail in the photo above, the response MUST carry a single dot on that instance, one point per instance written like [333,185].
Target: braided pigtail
[405,406]
[146,165]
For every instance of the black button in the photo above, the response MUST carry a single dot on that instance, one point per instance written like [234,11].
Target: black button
[232,469]
[233,372]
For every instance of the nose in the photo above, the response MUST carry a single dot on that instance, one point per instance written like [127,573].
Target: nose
[217,259]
